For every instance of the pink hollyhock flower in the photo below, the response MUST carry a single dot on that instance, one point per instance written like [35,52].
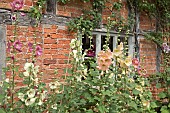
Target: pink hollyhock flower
[9,44]
[38,51]
[135,62]
[17,4]
[17,45]
[13,17]
[30,47]
[22,14]
[90,53]
[12,57]
[104,60]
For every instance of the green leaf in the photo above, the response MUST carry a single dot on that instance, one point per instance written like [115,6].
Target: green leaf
[164,109]
[135,92]
[158,85]
[133,104]
[162,95]
[101,109]
[153,105]
[2,111]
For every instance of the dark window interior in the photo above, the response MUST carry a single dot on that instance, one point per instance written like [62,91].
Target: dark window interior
[103,42]
[51,6]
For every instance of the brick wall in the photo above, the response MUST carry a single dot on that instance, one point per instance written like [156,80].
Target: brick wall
[54,37]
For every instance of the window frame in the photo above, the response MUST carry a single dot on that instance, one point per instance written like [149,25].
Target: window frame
[103,32]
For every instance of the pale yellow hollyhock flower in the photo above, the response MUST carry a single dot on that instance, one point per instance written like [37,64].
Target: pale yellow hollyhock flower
[31,93]
[54,85]
[122,64]
[29,101]
[128,61]
[120,47]
[117,52]
[146,103]
[21,96]
[111,75]
[139,88]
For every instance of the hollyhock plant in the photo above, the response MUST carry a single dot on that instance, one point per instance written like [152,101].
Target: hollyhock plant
[17,4]
[18,45]
[38,51]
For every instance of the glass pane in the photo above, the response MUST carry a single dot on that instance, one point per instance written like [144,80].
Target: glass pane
[103,42]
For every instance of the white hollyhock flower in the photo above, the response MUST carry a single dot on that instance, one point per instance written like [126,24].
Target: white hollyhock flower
[54,106]
[74,53]
[21,96]
[36,70]
[7,80]
[31,93]
[29,101]
[72,44]
[28,66]
[40,102]
[26,74]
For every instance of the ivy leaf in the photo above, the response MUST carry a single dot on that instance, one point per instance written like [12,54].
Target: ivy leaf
[162,95]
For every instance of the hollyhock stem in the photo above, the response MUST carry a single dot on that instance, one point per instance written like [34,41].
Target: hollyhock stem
[13,62]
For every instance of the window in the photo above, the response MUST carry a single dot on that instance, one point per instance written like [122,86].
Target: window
[2,49]
[51,7]
[99,37]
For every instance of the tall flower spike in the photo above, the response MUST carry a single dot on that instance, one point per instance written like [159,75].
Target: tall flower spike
[17,4]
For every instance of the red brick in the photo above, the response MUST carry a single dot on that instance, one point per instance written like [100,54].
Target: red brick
[64,42]
[59,56]
[49,41]
[57,36]
[49,61]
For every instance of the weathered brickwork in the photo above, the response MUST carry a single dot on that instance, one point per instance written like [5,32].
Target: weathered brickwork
[53,35]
